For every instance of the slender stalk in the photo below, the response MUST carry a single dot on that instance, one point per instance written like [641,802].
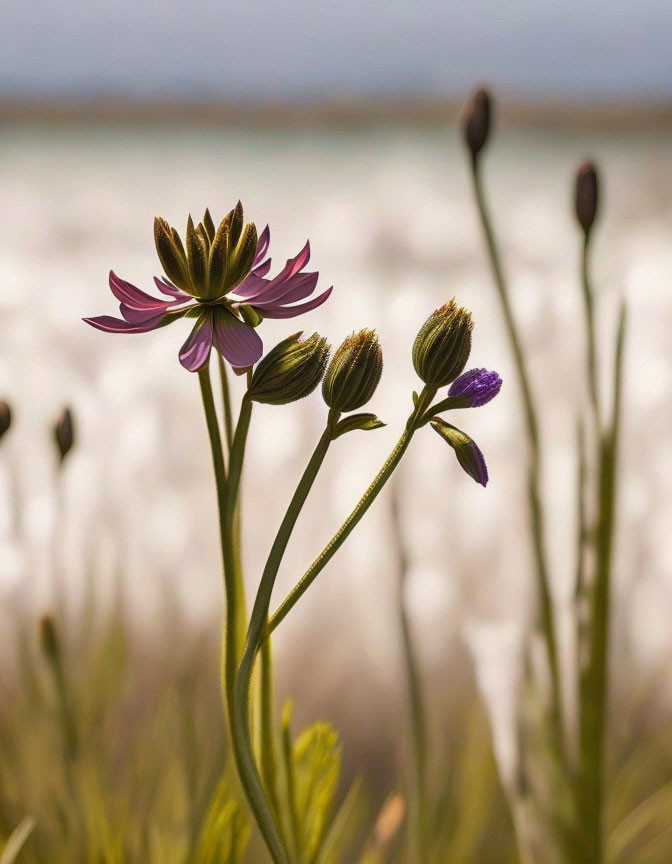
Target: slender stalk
[595,679]
[591,344]
[234,591]
[247,768]
[534,465]
[358,512]
[226,401]
[269,767]
[417,714]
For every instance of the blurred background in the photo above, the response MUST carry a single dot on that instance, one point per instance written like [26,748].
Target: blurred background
[337,122]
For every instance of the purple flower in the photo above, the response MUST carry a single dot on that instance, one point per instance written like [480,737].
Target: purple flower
[476,387]
[220,281]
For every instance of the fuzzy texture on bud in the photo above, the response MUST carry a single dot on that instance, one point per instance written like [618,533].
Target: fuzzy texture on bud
[476,387]
[477,120]
[290,371]
[354,372]
[442,347]
[586,196]
[5,418]
[64,433]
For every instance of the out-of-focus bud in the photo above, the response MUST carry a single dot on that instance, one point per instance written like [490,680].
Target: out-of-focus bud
[49,641]
[290,371]
[64,433]
[354,372]
[5,418]
[442,347]
[586,196]
[476,121]
[467,451]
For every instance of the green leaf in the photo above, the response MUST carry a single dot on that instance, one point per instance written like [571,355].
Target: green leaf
[17,841]
[225,831]
[365,422]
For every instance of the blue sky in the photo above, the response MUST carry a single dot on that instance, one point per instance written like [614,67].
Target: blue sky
[328,49]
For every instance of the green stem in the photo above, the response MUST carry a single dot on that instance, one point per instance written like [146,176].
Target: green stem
[591,343]
[595,677]
[247,768]
[269,769]
[226,401]
[417,714]
[534,466]
[234,591]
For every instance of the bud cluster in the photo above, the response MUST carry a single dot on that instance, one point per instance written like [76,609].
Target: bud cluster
[442,347]
[211,262]
[354,372]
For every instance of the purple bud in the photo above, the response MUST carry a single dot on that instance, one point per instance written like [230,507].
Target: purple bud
[466,449]
[479,386]
[476,121]
[586,196]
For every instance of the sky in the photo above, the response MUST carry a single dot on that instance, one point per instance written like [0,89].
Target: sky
[323,50]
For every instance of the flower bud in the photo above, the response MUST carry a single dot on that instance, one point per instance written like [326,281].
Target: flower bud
[476,121]
[466,449]
[5,418]
[64,434]
[586,196]
[442,347]
[290,371]
[354,372]
[49,641]
[476,387]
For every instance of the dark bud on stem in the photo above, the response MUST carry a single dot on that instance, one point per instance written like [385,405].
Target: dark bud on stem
[49,641]
[290,371]
[586,196]
[64,434]
[5,418]
[477,120]
[354,372]
[442,347]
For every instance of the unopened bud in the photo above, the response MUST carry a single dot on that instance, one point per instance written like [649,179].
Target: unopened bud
[442,347]
[476,121]
[5,418]
[290,371]
[466,449]
[354,372]
[64,434]
[586,196]
[49,641]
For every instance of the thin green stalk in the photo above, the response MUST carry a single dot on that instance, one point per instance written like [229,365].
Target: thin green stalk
[360,509]
[226,401]
[534,465]
[269,767]
[247,767]
[234,591]
[417,714]
[591,344]
[595,679]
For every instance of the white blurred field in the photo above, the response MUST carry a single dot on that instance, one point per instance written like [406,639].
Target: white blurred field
[392,227]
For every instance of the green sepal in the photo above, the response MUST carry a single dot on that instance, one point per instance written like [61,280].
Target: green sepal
[209,225]
[243,257]
[365,422]
[171,255]
[250,315]
[197,256]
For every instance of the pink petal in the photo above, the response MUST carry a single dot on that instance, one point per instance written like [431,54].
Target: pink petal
[251,287]
[132,296]
[297,288]
[262,246]
[262,269]
[236,341]
[196,350]
[280,311]
[165,287]
[117,325]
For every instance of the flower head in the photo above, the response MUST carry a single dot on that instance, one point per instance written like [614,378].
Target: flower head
[217,277]
[354,372]
[443,344]
[476,387]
